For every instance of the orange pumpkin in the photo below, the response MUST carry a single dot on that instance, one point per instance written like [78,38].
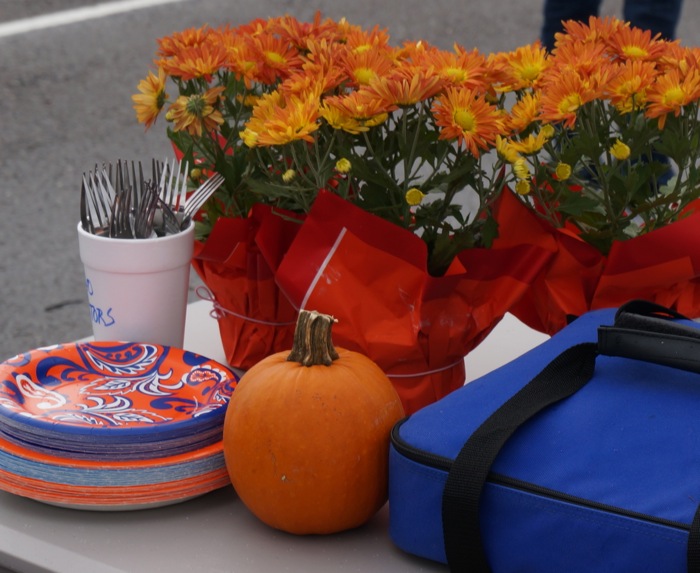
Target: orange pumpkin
[306,434]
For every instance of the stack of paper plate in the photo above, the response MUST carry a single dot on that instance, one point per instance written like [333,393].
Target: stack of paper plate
[112,425]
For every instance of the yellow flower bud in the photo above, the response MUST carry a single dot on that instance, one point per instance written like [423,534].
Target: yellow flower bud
[563,171]
[196,174]
[620,150]
[522,187]
[547,130]
[249,137]
[343,165]
[414,196]
[505,150]
[288,175]
[520,169]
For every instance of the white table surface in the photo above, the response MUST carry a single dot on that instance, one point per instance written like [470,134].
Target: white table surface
[215,532]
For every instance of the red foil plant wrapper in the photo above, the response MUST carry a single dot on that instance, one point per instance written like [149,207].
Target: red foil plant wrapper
[565,285]
[662,266]
[237,263]
[371,276]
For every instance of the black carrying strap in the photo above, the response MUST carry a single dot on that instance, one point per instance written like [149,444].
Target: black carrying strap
[642,331]
[561,378]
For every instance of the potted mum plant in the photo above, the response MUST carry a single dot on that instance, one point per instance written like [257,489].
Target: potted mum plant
[360,176]
[607,170]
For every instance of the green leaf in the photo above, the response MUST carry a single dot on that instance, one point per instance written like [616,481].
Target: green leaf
[578,204]
[489,232]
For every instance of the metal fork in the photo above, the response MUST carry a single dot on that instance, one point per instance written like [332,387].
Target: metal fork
[86,207]
[121,223]
[146,210]
[166,221]
[117,201]
[95,202]
[199,197]
[173,184]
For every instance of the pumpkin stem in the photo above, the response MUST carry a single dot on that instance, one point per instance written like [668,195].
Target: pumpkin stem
[312,344]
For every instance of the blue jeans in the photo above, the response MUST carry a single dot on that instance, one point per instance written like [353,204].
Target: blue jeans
[659,16]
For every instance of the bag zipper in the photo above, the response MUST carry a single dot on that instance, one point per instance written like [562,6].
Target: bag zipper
[444,463]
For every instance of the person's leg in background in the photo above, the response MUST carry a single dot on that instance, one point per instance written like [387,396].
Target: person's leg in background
[659,16]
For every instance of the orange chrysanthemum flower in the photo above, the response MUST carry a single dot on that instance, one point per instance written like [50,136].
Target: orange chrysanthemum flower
[311,78]
[253,28]
[671,92]
[464,115]
[412,51]
[523,113]
[628,43]
[170,46]
[295,119]
[359,41]
[585,59]
[362,67]
[320,52]
[587,62]
[562,96]
[523,67]
[406,85]
[196,62]
[298,34]
[197,113]
[676,56]
[338,118]
[458,68]
[627,89]
[362,105]
[263,110]
[596,31]
[277,58]
[152,98]
[240,58]
[690,62]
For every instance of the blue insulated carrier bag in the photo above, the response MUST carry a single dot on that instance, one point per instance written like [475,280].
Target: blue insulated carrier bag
[582,455]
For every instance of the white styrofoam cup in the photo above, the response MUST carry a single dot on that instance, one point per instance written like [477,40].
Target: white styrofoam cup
[137,288]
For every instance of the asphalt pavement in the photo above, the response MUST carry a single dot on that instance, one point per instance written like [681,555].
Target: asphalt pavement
[65,105]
